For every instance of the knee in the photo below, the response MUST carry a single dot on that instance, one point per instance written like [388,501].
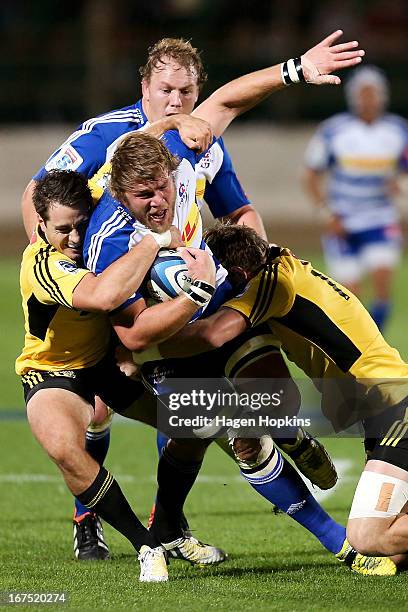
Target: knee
[368,538]
[359,537]
[65,456]
[102,419]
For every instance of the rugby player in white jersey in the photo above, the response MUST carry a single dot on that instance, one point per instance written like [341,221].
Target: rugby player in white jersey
[72,155]
[361,151]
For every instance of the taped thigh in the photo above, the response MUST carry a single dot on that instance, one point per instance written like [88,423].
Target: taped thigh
[378,496]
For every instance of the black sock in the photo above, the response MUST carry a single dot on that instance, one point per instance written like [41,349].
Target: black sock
[175,479]
[105,497]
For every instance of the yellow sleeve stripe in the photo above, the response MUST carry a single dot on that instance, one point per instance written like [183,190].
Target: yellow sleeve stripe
[265,293]
[45,279]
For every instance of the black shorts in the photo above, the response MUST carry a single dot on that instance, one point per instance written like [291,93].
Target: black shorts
[386,436]
[103,379]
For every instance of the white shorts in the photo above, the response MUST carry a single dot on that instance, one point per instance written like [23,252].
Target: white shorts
[349,259]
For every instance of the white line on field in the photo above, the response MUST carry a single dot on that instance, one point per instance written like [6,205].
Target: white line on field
[343,467]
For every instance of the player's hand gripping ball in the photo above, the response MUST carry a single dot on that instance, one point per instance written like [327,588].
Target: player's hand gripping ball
[168,276]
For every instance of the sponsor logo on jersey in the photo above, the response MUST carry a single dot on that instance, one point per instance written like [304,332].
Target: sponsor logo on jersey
[64,373]
[138,116]
[205,161]
[192,224]
[67,266]
[126,215]
[66,159]
[103,181]
[183,193]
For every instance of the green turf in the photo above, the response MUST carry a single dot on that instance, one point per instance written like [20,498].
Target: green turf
[13,333]
[274,564]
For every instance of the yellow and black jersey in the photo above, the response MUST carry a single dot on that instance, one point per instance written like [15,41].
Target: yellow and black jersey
[57,336]
[99,182]
[323,327]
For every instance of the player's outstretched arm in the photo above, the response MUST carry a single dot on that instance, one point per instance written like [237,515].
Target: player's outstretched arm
[106,291]
[316,66]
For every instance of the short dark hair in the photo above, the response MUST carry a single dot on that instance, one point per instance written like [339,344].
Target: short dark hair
[237,245]
[178,49]
[64,187]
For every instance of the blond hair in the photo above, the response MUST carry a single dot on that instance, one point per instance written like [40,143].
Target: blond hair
[179,50]
[139,158]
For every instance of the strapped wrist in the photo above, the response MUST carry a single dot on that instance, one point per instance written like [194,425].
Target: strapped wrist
[163,240]
[200,292]
[292,71]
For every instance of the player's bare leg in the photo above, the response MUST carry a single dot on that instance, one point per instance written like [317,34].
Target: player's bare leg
[58,419]
[377,523]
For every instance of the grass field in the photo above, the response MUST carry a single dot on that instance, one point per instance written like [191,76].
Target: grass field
[274,564]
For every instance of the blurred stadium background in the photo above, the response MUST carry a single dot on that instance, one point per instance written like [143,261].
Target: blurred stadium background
[61,63]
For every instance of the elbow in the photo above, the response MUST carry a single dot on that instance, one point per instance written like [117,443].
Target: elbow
[106,302]
[106,305]
[138,345]
[134,342]
[212,338]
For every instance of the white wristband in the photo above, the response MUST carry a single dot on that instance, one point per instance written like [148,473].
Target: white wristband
[293,75]
[163,240]
[291,71]
[200,292]
[150,354]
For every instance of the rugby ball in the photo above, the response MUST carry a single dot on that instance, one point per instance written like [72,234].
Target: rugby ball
[168,276]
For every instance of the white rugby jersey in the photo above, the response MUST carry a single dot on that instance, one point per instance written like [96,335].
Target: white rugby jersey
[112,230]
[94,142]
[361,159]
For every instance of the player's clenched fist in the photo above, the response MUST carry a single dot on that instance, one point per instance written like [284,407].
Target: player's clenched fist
[200,264]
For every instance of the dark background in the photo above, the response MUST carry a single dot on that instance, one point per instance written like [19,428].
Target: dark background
[66,61]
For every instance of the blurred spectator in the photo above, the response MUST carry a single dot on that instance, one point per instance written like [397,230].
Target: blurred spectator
[362,152]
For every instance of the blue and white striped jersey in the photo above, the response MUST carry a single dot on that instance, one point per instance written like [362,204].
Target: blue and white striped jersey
[112,230]
[95,141]
[361,159]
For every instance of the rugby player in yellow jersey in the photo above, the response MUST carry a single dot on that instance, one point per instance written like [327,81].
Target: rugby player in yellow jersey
[327,332]
[67,357]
